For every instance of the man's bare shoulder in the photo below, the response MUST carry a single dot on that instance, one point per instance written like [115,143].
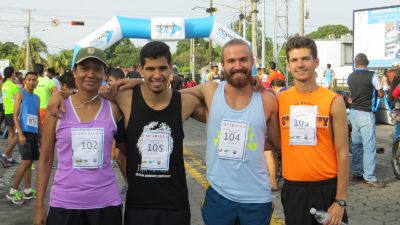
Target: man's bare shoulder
[122,95]
[268,96]
[188,100]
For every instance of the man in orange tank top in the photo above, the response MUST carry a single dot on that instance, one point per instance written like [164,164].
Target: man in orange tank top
[314,142]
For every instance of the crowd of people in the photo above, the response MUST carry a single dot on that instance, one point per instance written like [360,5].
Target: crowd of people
[139,123]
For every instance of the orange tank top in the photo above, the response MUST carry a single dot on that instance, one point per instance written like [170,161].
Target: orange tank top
[308,162]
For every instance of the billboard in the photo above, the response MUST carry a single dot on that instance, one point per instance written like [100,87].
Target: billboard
[377,34]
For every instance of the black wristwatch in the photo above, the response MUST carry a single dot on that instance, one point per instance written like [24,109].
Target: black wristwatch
[341,202]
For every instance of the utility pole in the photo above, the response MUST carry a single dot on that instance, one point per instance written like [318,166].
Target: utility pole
[192,64]
[275,40]
[28,38]
[254,27]
[210,46]
[301,18]
[263,40]
[287,36]
[244,20]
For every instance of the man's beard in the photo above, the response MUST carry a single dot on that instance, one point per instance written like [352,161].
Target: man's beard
[241,81]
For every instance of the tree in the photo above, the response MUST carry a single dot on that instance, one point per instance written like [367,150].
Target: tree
[61,61]
[123,53]
[9,50]
[324,32]
[38,52]
[182,56]
[238,26]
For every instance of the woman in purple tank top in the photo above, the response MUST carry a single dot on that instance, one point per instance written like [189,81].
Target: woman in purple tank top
[84,190]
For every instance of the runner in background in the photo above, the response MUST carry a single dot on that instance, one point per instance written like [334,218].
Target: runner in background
[26,120]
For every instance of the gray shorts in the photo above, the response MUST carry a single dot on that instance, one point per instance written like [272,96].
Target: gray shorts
[9,120]
[29,151]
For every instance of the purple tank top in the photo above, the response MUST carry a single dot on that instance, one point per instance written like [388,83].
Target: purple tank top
[84,188]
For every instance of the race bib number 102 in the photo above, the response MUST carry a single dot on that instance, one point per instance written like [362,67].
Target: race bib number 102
[87,147]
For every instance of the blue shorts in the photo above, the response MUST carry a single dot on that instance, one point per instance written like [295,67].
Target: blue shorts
[217,210]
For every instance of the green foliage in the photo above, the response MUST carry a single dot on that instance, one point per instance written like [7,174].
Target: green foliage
[324,31]
[38,50]
[9,50]
[123,53]
[182,56]
[61,61]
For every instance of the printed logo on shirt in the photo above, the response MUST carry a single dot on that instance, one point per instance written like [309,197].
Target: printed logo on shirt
[250,145]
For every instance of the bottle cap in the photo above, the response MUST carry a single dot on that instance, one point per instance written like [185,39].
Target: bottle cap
[313,211]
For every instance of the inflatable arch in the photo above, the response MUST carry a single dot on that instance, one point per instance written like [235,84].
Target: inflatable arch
[162,29]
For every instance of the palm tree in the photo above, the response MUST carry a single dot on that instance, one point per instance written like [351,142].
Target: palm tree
[38,50]
[61,61]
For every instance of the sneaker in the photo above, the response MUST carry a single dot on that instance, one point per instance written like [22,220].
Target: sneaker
[12,162]
[15,198]
[358,178]
[3,161]
[31,195]
[375,184]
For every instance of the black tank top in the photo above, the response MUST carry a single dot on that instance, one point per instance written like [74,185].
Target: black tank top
[154,188]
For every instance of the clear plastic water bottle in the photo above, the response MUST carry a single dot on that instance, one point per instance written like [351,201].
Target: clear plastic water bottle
[321,216]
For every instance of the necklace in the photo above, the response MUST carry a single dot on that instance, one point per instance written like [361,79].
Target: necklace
[88,101]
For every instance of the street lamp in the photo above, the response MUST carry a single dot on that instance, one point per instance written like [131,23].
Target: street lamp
[210,10]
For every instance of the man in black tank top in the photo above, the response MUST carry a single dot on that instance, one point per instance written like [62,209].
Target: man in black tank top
[153,114]
[238,64]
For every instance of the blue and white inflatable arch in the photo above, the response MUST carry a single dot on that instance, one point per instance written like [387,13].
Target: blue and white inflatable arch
[162,29]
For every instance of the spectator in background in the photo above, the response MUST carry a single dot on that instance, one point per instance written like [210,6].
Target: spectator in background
[51,73]
[44,90]
[176,81]
[385,82]
[134,73]
[278,86]
[328,75]
[364,86]
[1,102]
[26,122]
[191,83]
[19,79]
[263,77]
[67,82]
[114,74]
[274,73]
[214,75]
[9,90]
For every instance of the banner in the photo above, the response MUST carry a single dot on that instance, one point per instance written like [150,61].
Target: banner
[167,29]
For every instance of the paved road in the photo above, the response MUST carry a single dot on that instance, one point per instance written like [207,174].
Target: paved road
[366,205]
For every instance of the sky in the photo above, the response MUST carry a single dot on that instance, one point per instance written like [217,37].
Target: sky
[14,15]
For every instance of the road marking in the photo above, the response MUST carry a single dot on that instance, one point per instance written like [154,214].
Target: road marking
[190,163]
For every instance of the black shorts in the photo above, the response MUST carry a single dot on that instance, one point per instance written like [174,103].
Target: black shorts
[299,197]
[9,120]
[140,216]
[102,216]
[29,151]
